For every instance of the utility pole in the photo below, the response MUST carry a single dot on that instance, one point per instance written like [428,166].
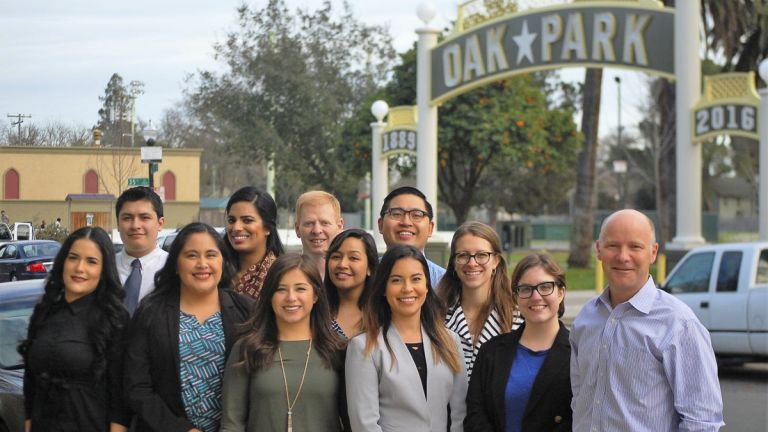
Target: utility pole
[19,120]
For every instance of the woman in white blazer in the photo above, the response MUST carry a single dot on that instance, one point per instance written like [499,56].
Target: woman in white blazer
[405,372]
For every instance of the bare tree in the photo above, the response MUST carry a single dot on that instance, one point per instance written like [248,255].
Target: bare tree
[114,167]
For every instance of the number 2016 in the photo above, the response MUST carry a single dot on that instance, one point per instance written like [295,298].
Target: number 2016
[729,117]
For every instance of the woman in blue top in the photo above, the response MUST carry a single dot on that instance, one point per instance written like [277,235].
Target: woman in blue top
[521,380]
[181,335]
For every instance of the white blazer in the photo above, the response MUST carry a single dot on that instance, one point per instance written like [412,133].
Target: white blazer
[383,397]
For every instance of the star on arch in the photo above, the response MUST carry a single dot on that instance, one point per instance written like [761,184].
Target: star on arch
[524,43]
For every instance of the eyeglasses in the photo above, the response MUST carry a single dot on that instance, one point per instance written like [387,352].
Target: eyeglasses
[544,289]
[481,258]
[398,214]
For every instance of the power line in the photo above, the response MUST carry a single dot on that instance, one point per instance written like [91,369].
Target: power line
[19,120]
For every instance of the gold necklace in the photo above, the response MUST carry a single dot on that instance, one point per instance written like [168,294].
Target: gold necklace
[301,384]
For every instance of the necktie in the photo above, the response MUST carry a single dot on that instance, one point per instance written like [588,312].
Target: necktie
[133,286]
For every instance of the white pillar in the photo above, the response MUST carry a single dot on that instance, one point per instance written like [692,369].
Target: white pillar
[379,165]
[762,131]
[426,151]
[688,154]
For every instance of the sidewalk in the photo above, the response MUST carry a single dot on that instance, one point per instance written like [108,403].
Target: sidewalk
[574,300]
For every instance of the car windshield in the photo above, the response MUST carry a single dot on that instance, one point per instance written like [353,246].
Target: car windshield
[14,319]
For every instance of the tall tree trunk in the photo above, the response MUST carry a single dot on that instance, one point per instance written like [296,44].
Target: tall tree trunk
[667,185]
[583,216]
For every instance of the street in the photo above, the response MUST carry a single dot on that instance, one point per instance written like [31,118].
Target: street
[745,397]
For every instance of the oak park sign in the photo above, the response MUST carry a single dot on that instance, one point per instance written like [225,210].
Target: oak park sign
[635,36]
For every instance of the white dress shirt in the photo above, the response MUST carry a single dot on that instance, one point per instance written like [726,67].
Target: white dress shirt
[150,264]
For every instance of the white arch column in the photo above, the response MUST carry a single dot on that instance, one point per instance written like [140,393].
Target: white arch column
[688,154]
[762,131]
[426,149]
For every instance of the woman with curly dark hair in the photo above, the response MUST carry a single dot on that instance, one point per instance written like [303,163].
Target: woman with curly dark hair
[252,239]
[349,268]
[74,349]
[286,370]
[181,336]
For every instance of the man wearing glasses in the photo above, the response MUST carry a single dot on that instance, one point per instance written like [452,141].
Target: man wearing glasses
[406,218]
[640,359]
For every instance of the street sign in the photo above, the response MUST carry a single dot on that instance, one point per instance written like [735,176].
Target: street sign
[138,181]
[151,154]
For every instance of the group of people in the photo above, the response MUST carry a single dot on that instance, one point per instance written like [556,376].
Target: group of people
[234,334]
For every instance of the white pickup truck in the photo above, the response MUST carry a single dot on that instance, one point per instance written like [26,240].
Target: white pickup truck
[16,231]
[726,285]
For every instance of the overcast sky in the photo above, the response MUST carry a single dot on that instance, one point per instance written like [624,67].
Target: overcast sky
[56,57]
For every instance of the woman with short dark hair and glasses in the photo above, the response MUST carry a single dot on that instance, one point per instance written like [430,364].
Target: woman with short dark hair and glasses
[477,290]
[521,380]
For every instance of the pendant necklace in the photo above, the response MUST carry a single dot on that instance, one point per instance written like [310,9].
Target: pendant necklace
[301,384]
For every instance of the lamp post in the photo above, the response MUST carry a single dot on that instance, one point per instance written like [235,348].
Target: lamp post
[379,164]
[762,131]
[150,153]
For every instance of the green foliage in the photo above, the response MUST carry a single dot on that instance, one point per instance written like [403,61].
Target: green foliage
[292,83]
[117,110]
[502,145]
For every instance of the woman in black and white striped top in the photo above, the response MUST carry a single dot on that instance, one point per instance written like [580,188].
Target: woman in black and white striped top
[477,290]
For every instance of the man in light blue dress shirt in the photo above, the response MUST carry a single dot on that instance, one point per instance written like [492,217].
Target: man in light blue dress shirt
[406,218]
[640,359]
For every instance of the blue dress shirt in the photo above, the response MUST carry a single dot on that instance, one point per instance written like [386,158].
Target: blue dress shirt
[645,365]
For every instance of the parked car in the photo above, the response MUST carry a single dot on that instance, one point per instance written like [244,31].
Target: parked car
[165,240]
[17,300]
[31,259]
[726,286]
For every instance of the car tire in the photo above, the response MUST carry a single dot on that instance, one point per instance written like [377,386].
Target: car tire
[13,279]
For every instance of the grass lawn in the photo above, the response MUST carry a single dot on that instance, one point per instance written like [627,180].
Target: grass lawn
[575,278]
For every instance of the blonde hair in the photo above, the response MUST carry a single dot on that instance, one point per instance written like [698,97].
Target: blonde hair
[317,197]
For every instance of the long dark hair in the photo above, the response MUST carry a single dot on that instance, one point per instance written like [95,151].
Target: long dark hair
[373,260]
[549,265]
[107,314]
[260,338]
[267,209]
[500,297]
[167,281]
[378,316]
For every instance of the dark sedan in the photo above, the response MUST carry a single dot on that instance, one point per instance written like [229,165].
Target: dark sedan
[17,299]
[29,259]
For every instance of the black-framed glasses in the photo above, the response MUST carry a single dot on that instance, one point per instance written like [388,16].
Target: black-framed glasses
[481,257]
[526,291]
[398,213]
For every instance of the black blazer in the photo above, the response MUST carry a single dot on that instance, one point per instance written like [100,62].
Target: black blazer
[151,378]
[549,406]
